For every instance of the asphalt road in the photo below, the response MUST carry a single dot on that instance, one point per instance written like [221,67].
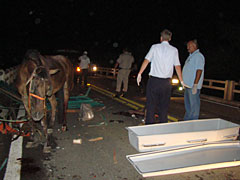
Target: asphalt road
[101,153]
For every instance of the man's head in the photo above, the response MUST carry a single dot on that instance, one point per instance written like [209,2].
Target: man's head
[125,49]
[166,35]
[192,46]
[85,53]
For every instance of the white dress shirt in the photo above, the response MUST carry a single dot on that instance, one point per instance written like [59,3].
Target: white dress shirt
[163,58]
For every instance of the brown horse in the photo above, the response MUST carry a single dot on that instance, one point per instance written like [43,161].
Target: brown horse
[40,78]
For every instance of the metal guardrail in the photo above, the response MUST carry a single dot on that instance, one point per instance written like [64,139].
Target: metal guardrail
[229,87]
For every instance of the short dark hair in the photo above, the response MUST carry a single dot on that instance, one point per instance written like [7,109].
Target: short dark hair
[166,35]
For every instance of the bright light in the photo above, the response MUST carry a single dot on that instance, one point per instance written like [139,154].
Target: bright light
[94,68]
[175,81]
[180,88]
[78,69]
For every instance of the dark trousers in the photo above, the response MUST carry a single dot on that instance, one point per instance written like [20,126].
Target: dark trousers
[83,76]
[158,98]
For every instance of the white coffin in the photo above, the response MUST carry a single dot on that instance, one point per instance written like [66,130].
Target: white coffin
[194,158]
[181,134]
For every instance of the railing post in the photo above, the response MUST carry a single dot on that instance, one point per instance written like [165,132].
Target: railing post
[226,90]
[229,90]
[231,87]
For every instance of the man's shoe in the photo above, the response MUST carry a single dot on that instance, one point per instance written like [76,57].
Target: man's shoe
[123,94]
[117,95]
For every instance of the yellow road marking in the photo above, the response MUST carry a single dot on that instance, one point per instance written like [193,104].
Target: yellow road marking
[123,100]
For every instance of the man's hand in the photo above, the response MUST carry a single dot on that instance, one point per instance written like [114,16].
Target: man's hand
[194,89]
[139,78]
[184,85]
[114,71]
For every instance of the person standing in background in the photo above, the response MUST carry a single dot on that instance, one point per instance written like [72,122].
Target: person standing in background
[84,62]
[163,57]
[193,74]
[124,62]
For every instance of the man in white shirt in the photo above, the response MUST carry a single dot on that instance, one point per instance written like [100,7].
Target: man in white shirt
[84,62]
[163,57]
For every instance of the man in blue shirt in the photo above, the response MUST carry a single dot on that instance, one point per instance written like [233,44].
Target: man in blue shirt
[193,73]
[163,57]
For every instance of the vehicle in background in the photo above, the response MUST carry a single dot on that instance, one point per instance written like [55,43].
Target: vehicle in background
[177,88]
[176,85]
[92,70]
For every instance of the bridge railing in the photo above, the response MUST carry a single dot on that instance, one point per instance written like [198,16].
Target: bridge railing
[228,87]
[8,75]
[107,71]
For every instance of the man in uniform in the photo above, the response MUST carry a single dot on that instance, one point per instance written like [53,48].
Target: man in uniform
[124,62]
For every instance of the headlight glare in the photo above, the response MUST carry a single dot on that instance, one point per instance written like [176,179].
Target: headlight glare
[175,81]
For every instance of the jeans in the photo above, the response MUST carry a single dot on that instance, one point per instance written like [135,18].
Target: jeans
[192,104]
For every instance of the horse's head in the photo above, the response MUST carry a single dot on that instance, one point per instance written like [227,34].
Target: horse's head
[40,87]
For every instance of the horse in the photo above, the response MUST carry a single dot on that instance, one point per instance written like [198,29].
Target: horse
[39,78]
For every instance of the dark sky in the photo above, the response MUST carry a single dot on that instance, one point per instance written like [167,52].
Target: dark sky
[104,27]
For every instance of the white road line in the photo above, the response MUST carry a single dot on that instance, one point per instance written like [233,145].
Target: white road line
[13,171]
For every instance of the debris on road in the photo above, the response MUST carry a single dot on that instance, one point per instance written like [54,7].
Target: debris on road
[86,112]
[116,121]
[96,139]
[122,113]
[114,157]
[101,108]
[77,141]
[104,118]
[95,125]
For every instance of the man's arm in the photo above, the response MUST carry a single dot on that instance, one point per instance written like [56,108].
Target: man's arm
[179,72]
[116,65]
[143,67]
[198,76]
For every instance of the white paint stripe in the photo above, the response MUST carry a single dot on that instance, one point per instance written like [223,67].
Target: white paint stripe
[13,171]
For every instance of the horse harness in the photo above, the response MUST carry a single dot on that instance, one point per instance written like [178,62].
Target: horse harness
[36,96]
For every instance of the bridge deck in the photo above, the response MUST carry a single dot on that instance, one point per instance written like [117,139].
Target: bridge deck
[97,149]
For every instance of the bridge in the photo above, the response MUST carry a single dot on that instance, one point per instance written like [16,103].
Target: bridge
[227,90]
[102,143]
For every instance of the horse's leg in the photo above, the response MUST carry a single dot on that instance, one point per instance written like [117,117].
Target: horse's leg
[53,103]
[46,148]
[61,108]
[36,136]
[66,98]
[48,129]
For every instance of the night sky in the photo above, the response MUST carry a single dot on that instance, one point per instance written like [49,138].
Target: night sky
[105,27]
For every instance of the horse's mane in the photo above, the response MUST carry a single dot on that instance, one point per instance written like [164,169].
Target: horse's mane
[32,55]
